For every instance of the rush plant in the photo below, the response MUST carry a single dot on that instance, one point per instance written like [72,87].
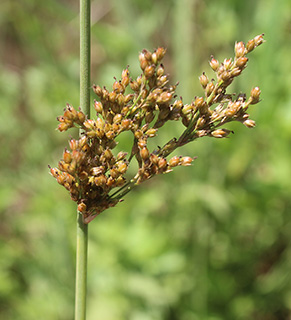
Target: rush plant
[95,175]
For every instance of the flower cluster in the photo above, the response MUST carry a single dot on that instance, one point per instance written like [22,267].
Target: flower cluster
[96,177]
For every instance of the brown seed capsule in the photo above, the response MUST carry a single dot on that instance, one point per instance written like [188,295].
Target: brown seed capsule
[203,80]
[241,62]
[250,45]
[160,70]
[98,106]
[249,123]
[121,167]
[151,132]
[259,39]
[225,75]
[186,161]
[117,118]
[82,207]
[209,88]
[214,64]
[220,133]
[134,85]
[239,49]
[227,64]
[67,156]
[97,90]
[160,52]
[175,161]
[126,124]
[164,97]
[162,164]
[255,95]
[121,155]
[112,96]
[73,144]
[100,181]
[149,71]
[144,153]
[81,117]
[64,126]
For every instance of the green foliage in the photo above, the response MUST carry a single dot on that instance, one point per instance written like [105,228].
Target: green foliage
[207,242]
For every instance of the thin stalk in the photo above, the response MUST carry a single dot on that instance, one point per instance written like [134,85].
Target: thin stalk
[82,228]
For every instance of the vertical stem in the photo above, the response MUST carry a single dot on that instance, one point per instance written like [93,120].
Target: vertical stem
[82,228]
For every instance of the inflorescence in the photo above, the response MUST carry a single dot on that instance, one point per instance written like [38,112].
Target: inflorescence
[95,177]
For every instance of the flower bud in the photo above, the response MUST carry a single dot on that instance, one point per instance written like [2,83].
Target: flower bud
[121,155]
[162,164]
[151,132]
[81,117]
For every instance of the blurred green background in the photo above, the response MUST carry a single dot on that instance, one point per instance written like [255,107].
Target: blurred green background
[212,241]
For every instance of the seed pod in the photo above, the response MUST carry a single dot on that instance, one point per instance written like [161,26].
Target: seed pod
[160,52]
[203,80]
[160,70]
[67,156]
[121,155]
[100,181]
[249,123]
[97,90]
[175,161]
[186,161]
[149,71]
[81,117]
[122,167]
[255,95]
[162,164]
[214,64]
[96,171]
[239,49]
[64,126]
[227,64]
[151,132]
[73,144]
[241,62]
[125,124]
[250,45]
[82,207]
[117,118]
[134,85]
[144,153]
[98,106]
[112,95]
[220,133]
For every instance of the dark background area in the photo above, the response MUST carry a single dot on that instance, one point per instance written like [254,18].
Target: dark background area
[211,241]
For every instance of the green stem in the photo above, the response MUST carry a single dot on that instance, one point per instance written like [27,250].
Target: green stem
[82,228]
